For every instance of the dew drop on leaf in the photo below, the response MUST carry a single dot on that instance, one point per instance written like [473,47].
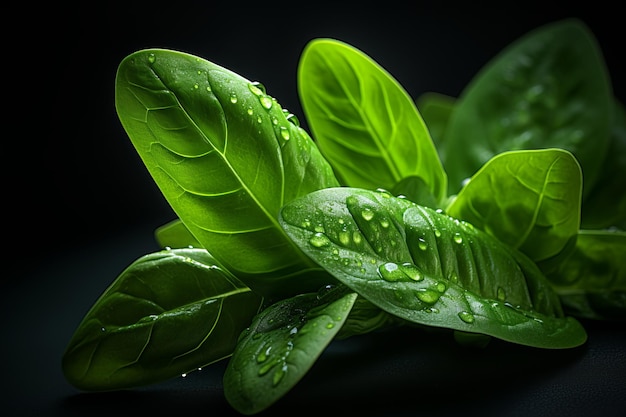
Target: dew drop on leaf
[458,238]
[428,296]
[319,240]
[367,214]
[467,317]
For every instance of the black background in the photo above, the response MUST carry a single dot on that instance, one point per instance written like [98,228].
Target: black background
[80,206]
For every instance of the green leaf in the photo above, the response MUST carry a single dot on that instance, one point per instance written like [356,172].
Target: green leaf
[549,89]
[366,124]
[530,200]
[429,268]
[605,204]
[592,281]
[175,235]
[168,313]
[281,345]
[436,110]
[226,156]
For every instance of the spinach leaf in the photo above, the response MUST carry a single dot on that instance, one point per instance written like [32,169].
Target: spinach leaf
[549,89]
[429,268]
[605,204]
[366,124]
[175,235]
[226,157]
[435,109]
[592,281]
[530,200]
[281,345]
[168,313]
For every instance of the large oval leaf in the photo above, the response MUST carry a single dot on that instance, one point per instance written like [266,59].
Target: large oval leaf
[429,268]
[366,124]
[226,157]
[281,345]
[527,199]
[549,89]
[168,313]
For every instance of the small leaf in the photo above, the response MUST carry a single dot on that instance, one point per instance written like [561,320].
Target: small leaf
[168,313]
[175,235]
[366,124]
[530,200]
[281,345]
[429,268]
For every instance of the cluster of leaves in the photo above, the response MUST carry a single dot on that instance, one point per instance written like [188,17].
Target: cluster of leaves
[469,214]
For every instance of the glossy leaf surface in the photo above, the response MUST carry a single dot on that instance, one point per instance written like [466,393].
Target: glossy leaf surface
[429,268]
[548,89]
[527,199]
[175,235]
[592,281]
[168,313]
[225,155]
[366,124]
[281,345]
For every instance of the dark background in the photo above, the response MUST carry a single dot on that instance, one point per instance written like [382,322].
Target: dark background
[80,206]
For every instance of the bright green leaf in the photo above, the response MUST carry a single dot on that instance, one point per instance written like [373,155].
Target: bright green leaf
[226,156]
[366,124]
[175,235]
[429,268]
[168,313]
[528,199]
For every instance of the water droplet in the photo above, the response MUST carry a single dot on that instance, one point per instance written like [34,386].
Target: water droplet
[384,193]
[208,88]
[284,133]
[293,119]
[279,374]
[196,86]
[367,214]
[411,271]
[293,331]
[356,237]
[428,296]
[344,238]
[319,228]
[437,232]
[266,102]
[267,367]
[390,272]
[233,98]
[257,88]
[453,278]
[259,119]
[184,375]
[384,223]
[441,287]
[330,325]
[467,317]
[421,243]
[250,111]
[151,58]
[102,329]
[458,238]
[319,240]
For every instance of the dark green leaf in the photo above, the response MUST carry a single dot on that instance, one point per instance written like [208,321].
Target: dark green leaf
[281,345]
[226,157]
[436,110]
[527,199]
[592,281]
[429,268]
[366,124]
[549,89]
[605,205]
[168,313]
